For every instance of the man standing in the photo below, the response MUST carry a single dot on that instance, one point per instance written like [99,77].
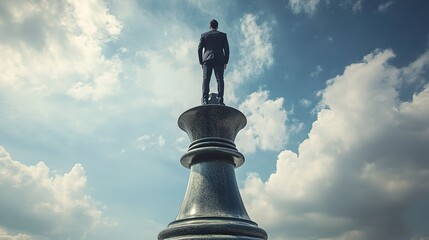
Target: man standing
[215,57]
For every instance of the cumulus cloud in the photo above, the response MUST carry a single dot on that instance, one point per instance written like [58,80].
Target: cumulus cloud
[266,121]
[256,53]
[38,202]
[363,166]
[57,48]
[306,6]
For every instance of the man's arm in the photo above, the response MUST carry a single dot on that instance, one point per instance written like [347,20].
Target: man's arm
[226,50]
[200,50]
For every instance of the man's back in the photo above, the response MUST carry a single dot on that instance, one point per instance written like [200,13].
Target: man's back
[215,46]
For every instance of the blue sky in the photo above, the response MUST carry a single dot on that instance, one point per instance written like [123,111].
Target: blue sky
[336,95]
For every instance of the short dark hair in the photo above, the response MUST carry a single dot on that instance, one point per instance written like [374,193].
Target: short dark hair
[213,24]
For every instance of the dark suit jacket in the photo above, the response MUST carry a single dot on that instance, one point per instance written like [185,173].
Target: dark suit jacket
[216,48]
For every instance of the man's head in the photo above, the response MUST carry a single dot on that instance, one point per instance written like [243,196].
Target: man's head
[213,24]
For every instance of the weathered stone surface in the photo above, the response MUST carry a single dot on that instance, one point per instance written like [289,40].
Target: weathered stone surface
[212,207]
[212,130]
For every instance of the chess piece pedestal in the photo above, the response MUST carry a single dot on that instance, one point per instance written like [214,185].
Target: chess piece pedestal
[212,207]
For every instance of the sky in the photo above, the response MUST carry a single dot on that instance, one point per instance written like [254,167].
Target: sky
[336,94]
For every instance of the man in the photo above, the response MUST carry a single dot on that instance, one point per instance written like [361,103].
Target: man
[215,57]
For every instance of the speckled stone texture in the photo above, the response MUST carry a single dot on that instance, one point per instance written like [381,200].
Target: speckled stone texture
[212,207]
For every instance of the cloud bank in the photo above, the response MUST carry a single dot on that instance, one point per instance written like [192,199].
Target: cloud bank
[56,48]
[362,168]
[5,236]
[39,203]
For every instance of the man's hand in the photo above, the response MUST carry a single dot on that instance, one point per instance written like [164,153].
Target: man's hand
[224,66]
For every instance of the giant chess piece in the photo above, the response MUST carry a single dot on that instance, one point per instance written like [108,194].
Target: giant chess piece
[212,207]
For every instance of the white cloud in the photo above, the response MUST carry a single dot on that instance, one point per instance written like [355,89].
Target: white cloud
[161,71]
[161,141]
[150,141]
[316,72]
[256,46]
[296,127]
[41,203]
[354,5]
[383,7]
[181,144]
[309,7]
[103,84]
[305,102]
[5,236]
[266,121]
[362,167]
[57,48]
[306,6]
[415,71]
[256,53]
[357,6]
[167,78]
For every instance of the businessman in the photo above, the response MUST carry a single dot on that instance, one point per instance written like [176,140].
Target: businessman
[215,57]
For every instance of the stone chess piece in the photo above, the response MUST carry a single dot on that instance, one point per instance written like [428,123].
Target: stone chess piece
[212,207]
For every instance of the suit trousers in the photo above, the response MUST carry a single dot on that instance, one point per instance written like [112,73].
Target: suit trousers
[207,73]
